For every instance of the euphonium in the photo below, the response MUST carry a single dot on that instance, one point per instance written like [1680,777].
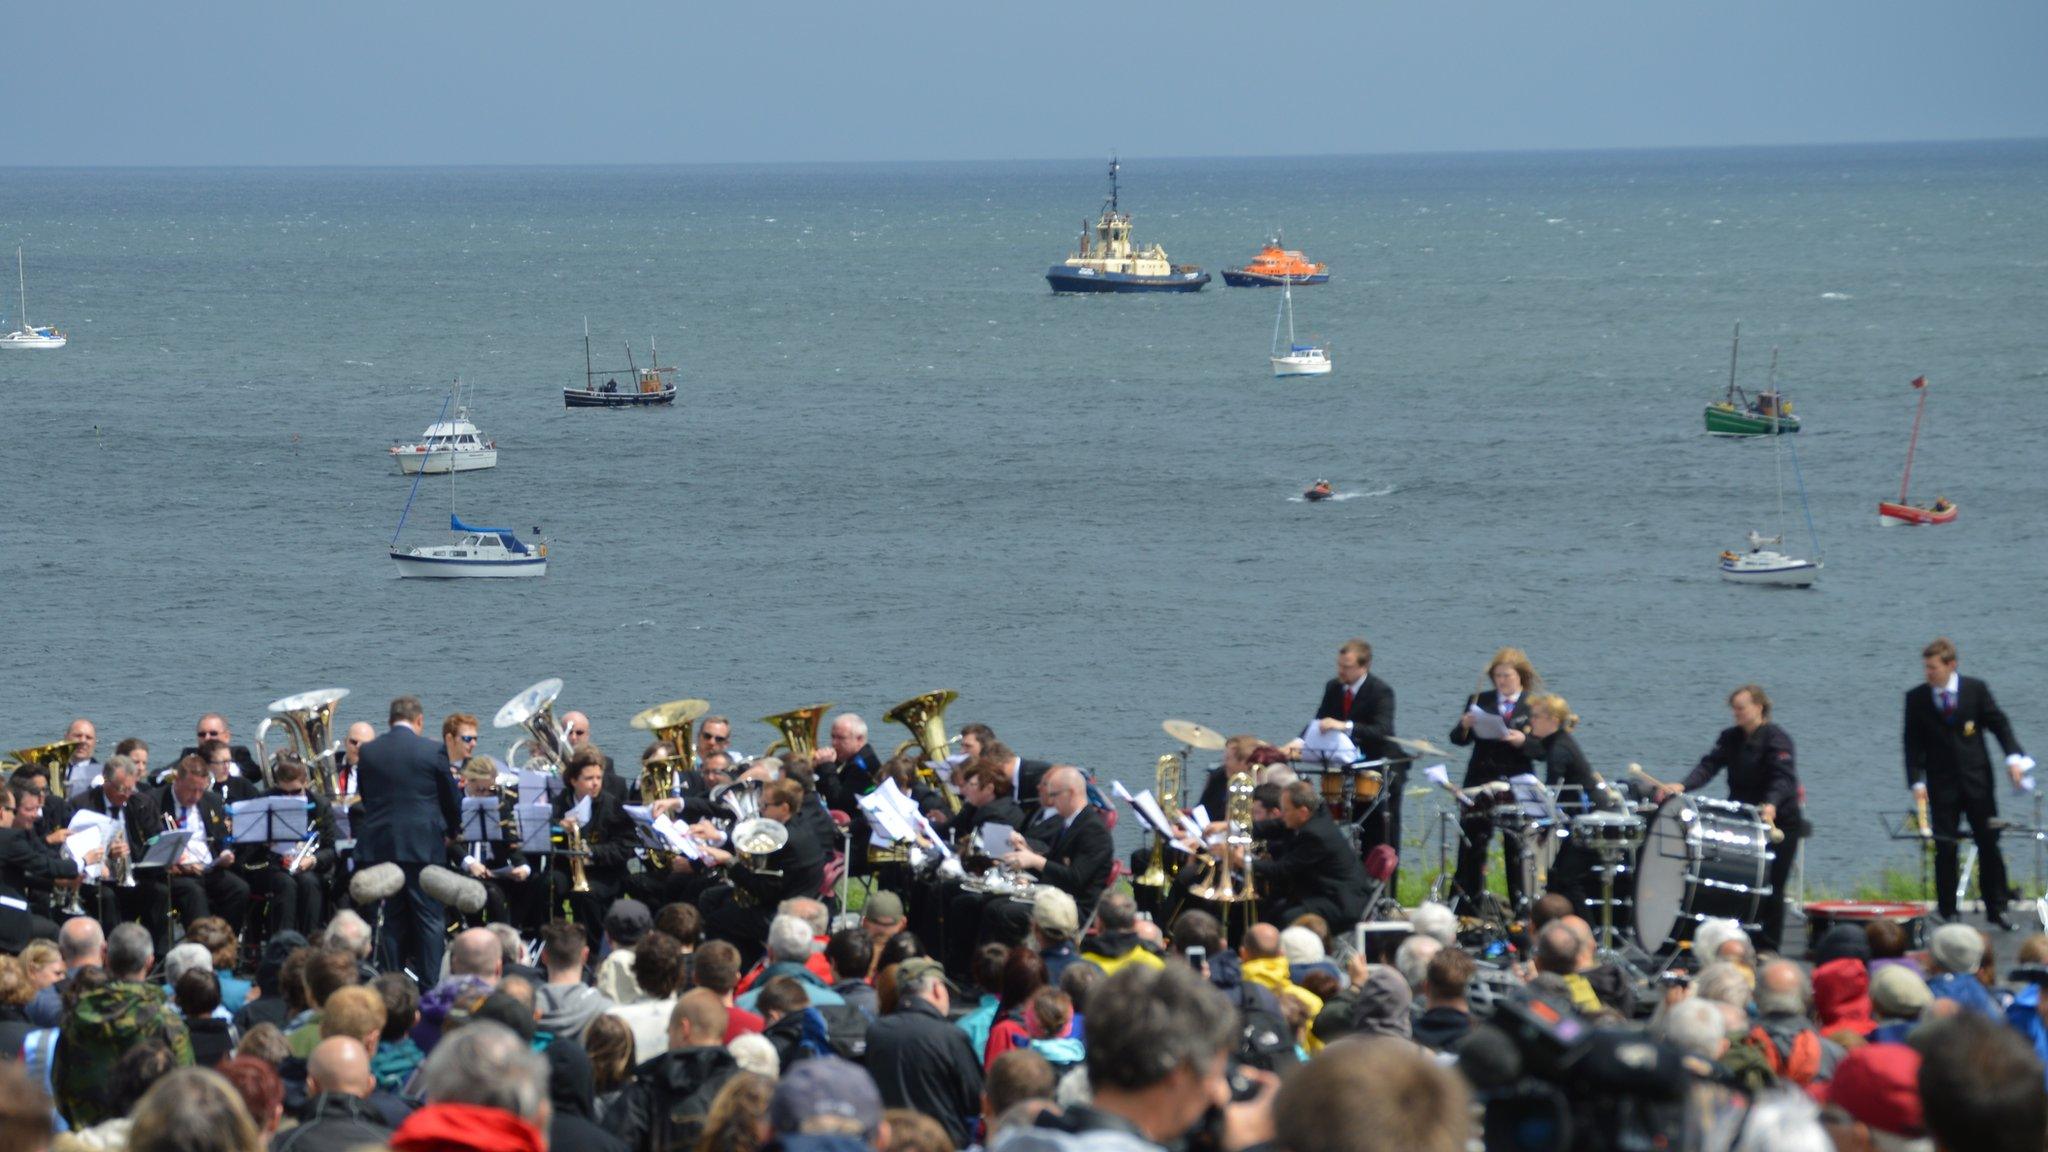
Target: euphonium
[572,842]
[53,758]
[308,718]
[742,798]
[1225,883]
[534,710]
[753,842]
[1168,779]
[925,716]
[671,724]
[799,728]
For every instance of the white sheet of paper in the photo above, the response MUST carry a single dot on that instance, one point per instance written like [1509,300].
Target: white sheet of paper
[1148,807]
[1486,725]
[995,839]
[87,835]
[1201,815]
[580,811]
[1333,747]
[1440,775]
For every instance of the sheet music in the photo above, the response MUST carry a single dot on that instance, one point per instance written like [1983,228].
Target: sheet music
[1486,725]
[1333,747]
[269,819]
[90,832]
[678,838]
[539,787]
[1440,775]
[1202,818]
[579,812]
[1147,807]
[995,839]
[886,821]
[1532,797]
[164,849]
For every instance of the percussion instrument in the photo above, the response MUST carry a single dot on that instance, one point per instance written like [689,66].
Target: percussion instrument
[1348,792]
[1822,915]
[1700,859]
[1614,831]
[1193,735]
[1418,749]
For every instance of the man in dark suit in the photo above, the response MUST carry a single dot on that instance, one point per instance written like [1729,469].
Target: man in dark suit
[214,726]
[795,869]
[1361,705]
[846,767]
[148,900]
[409,811]
[1949,770]
[1314,868]
[204,881]
[1070,849]
[26,866]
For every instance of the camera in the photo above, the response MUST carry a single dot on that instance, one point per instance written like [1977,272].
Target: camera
[1551,1082]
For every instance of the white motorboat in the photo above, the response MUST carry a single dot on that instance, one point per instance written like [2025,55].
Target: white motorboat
[448,446]
[1299,359]
[480,552]
[1764,564]
[30,336]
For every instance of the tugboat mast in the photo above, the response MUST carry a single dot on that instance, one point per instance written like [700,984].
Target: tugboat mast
[1112,183]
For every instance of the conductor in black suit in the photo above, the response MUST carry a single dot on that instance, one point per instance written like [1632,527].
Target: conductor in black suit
[1361,705]
[409,810]
[1948,766]
[1314,868]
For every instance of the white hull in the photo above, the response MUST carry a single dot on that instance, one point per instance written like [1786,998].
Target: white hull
[423,563]
[438,463]
[1301,366]
[1770,569]
[18,340]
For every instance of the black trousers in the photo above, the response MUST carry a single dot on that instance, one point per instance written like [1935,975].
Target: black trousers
[744,925]
[219,892]
[1770,911]
[1469,882]
[1946,812]
[588,908]
[148,903]
[298,901]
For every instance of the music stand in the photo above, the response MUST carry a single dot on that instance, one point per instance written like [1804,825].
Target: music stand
[270,820]
[163,850]
[480,820]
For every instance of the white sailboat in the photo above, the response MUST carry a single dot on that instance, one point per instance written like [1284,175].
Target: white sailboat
[1299,359]
[477,552]
[30,336]
[1764,563]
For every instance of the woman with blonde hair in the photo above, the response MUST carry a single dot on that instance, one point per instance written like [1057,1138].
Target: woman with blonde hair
[1503,708]
[1551,722]
[738,1118]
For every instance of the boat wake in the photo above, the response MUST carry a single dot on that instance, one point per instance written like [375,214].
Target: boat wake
[1836,296]
[1337,496]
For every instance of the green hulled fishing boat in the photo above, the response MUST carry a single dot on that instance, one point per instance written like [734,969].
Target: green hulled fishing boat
[1739,413]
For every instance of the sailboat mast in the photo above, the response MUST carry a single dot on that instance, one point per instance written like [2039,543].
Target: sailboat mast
[1276,318]
[21,270]
[1906,482]
[586,353]
[1778,446]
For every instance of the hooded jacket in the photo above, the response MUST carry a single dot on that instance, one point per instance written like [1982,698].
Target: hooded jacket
[1841,996]
[334,1123]
[1114,951]
[1272,972]
[572,1088]
[466,1128]
[665,1104]
[567,1009]
[921,1062]
[815,987]
[105,1023]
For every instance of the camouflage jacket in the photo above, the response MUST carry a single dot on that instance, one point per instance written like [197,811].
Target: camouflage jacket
[95,1034]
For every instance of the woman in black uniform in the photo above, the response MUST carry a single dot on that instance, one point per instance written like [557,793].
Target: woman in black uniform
[1762,771]
[1550,739]
[1513,678]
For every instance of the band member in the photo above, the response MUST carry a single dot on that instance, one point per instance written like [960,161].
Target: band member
[607,832]
[1493,759]
[848,765]
[45,873]
[296,879]
[1551,722]
[84,770]
[204,881]
[27,867]
[214,726]
[1361,706]
[409,811]
[1949,770]
[576,734]
[137,752]
[1313,869]
[985,798]
[512,894]
[144,899]
[1070,849]
[741,912]
[458,736]
[714,738]
[222,767]
[1026,776]
[1762,771]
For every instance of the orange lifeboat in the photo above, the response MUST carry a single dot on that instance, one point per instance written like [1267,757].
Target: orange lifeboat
[1274,266]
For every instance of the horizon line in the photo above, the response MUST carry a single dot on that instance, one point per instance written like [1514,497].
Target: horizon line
[1622,149]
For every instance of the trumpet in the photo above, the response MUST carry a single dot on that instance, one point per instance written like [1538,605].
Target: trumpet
[925,716]
[1168,780]
[534,710]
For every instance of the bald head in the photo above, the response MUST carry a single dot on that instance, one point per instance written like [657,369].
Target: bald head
[698,1020]
[359,733]
[1261,942]
[576,726]
[1782,989]
[1063,789]
[340,1065]
[476,952]
[82,943]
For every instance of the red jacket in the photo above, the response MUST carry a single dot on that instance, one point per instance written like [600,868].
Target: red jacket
[466,1128]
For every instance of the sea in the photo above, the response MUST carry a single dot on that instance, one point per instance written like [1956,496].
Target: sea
[899,463]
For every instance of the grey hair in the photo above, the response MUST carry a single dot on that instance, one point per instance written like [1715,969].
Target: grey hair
[130,952]
[115,763]
[1280,775]
[1724,982]
[852,721]
[188,957]
[486,1064]
[1147,1023]
[1783,1002]
[509,942]
[921,983]
[1412,959]
[1712,933]
[807,910]
[789,939]
[1696,1026]
[349,932]
[755,1053]
[1434,920]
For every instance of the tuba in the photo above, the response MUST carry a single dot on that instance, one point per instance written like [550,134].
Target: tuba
[925,716]
[1169,781]
[799,728]
[671,724]
[53,758]
[1225,883]
[534,710]
[308,719]
[742,798]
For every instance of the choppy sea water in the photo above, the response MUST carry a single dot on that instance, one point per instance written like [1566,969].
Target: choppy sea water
[900,463]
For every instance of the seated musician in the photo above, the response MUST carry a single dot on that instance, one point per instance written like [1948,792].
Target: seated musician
[296,879]
[145,898]
[986,798]
[690,785]
[1314,868]
[1550,724]
[27,866]
[608,835]
[512,892]
[1069,849]
[204,881]
[741,912]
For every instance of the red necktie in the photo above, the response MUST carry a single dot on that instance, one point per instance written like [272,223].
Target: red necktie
[1348,691]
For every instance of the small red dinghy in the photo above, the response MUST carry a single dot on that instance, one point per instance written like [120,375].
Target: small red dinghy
[1893,513]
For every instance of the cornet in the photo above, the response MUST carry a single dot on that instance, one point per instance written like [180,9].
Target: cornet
[120,869]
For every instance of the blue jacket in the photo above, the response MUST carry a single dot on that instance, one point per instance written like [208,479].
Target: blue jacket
[1967,991]
[410,805]
[2024,1014]
[820,992]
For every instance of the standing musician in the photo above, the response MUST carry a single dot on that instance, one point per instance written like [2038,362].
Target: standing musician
[147,900]
[204,881]
[1361,706]
[295,879]
[1949,770]
[458,736]
[740,913]
[409,811]
[1551,723]
[1762,771]
[512,894]
[608,835]
[1312,868]
[1492,760]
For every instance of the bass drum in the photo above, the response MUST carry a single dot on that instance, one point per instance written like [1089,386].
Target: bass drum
[1700,859]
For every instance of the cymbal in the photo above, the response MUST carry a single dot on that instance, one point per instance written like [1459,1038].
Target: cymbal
[1417,749]
[1194,735]
[671,714]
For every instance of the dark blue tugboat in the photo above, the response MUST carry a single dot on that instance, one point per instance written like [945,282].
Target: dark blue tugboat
[1106,261]
[649,387]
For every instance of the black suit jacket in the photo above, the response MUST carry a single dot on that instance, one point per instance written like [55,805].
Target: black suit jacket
[27,863]
[213,821]
[410,805]
[610,836]
[1948,753]
[842,785]
[1078,857]
[1496,759]
[1371,716]
[142,817]
[1317,861]
[801,862]
[1029,773]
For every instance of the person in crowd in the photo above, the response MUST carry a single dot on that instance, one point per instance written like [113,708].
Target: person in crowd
[1784,1033]
[110,1020]
[910,1132]
[1023,975]
[15,992]
[791,948]
[717,968]
[1872,1104]
[277,993]
[262,1091]
[987,973]
[1055,924]
[486,1091]
[567,1004]
[625,922]
[829,1105]
[609,1044]
[1763,771]
[1899,998]
[186,1102]
[349,932]
[850,956]
[1265,965]
[326,973]
[1954,953]
[795,1029]
[409,811]
[1981,1088]
[1016,1076]
[81,944]
[397,1055]
[1447,1014]
[221,942]
[658,969]
[1360,1095]
[1948,769]
[669,1099]
[921,1061]
[338,1115]
[475,961]
[196,994]
[1116,943]
[882,918]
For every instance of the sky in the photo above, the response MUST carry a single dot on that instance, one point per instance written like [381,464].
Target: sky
[465,82]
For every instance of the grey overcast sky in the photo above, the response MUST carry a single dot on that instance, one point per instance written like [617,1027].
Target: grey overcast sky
[430,82]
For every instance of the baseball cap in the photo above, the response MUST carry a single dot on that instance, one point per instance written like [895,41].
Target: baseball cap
[825,1087]
[627,921]
[917,966]
[1054,912]
[883,908]
[1879,1085]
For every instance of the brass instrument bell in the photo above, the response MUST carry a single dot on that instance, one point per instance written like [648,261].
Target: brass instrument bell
[53,758]
[1225,883]
[671,724]
[925,716]
[1168,782]
[799,729]
[534,710]
[308,719]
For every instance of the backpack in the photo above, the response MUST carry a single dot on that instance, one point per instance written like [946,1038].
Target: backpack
[99,1030]
[1264,1041]
[846,1030]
